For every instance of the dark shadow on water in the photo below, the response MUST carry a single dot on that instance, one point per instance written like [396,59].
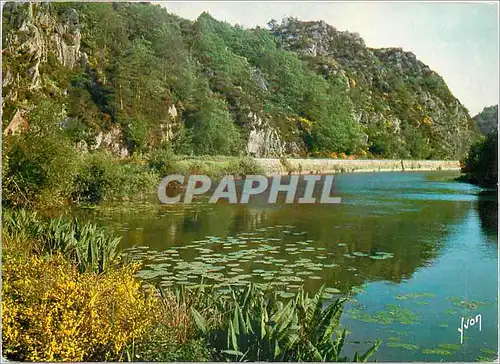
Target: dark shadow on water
[487,207]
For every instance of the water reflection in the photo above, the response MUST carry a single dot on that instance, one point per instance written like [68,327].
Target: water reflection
[397,221]
[487,207]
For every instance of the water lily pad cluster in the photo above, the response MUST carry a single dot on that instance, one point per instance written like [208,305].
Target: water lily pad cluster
[278,255]
[392,314]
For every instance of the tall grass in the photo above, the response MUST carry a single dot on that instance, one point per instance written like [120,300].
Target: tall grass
[89,247]
[253,324]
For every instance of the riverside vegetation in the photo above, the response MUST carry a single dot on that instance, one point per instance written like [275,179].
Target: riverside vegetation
[481,164]
[94,130]
[97,107]
[68,296]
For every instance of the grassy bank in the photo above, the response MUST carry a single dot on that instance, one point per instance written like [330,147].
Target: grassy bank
[30,180]
[69,296]
[46,170]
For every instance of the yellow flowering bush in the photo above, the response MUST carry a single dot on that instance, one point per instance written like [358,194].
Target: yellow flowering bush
[51,312]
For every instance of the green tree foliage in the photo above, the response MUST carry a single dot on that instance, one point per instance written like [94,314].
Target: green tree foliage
[214,131]
[481,164]
[141,61]
[39,165]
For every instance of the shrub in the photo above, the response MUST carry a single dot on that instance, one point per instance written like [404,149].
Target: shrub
[135,180]
[39,165]
[102,177]
[289,168]
[95,179]
[51,312]
[200,167]
[37,170]
[163,161]
[244,166]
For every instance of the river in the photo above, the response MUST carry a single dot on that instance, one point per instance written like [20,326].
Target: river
[415,252]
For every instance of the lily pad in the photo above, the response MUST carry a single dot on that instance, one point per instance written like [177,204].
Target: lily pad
[359,254]
[436,351]
[449,346]
[414,295]
[286,294]
[402,346]
[332,290]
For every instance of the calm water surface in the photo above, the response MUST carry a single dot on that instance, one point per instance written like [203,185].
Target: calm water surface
[415,251]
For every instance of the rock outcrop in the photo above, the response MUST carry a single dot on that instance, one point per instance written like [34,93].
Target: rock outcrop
[18,124]
[263,140]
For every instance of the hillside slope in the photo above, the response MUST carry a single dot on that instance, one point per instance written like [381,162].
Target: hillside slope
[487,120]
[132,77]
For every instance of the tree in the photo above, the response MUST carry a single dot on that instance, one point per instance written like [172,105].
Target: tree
[214,131]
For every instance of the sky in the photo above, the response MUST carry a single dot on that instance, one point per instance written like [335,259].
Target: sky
[458,40]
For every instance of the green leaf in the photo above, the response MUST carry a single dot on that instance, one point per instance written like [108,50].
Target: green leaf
[232,352]
[234,339]
[199,320]
[370,351]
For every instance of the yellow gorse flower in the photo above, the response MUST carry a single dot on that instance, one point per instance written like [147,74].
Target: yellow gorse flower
[51,312]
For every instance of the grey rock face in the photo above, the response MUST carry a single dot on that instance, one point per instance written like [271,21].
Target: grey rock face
[111,140]
[263,140]
[39,34]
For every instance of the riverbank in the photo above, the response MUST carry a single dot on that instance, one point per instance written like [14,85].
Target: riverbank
[218,165]
[98,177]
[69,295]
[319,166]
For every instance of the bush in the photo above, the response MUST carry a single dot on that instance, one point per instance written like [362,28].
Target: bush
[96,179]
[37,170]
[164,162]
[244,166]
[481,164]
[135,180]
[39,165]
[51,312]
[102,177]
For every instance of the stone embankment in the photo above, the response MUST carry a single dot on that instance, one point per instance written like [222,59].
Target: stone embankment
[314,166]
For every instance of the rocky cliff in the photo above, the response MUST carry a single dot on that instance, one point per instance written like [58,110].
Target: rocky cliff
[487,120]
[394,94]
[132,77]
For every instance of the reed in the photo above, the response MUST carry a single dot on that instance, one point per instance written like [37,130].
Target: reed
[89,247]
[253,324]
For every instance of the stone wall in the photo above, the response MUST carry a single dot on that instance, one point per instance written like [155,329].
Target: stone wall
[307,166]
